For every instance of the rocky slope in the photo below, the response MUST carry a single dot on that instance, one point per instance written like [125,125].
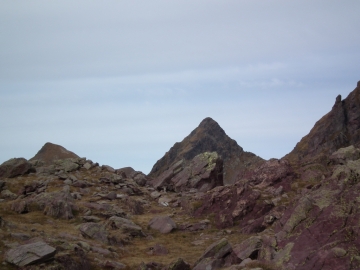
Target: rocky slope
[297,213]
[338,128]
[209,137]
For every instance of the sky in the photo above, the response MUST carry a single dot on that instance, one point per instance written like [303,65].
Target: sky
[119,82]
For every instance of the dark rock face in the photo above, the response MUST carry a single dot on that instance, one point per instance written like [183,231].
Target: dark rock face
[24,255]
[14,167]
[209,137]
[339,128]
[51,152]
[204,172]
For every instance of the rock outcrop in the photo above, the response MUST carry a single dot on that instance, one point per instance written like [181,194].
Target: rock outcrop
[51,152]
[203,172]
[14,167]
[338,128]
[209,137]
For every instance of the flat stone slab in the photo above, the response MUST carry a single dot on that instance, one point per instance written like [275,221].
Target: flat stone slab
[24,255]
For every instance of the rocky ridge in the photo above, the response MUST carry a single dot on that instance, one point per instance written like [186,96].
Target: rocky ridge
[298,212]
[338,128]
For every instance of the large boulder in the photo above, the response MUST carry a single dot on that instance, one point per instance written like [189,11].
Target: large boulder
[216,256]
[14,167]
[94,231]
[32,253]
[163,224]
[248,248]
[204,172]
[126,226]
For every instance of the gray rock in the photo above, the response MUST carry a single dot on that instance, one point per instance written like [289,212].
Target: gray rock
[94,231]
[14,167]
[179,264]
[108,168]
[217,250]
[87,166]
[248,247]
[68,164]
[163,224]
[155,194]
[125,225]
[7,194]
[24,255]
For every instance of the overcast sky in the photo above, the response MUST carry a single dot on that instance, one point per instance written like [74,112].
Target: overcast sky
[119,82]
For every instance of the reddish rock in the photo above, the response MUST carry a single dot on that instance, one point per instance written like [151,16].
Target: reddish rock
[232,203]
[14,167]
[270,173]
[321,229]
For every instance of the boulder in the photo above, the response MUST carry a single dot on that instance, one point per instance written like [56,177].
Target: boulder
[14,167]
[32,253]
[108,168]
[163,224]
[216,256]
[94,231]
[7,194]
[203,172]
[343,155]
[179,264]
[248,248]
[67,165]
[125,226]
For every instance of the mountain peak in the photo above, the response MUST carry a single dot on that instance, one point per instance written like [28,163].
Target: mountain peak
[50,152]
[208,137]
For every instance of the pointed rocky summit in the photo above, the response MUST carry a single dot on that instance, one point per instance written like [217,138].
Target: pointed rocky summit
[50,152]
[338,128]
[209,137]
